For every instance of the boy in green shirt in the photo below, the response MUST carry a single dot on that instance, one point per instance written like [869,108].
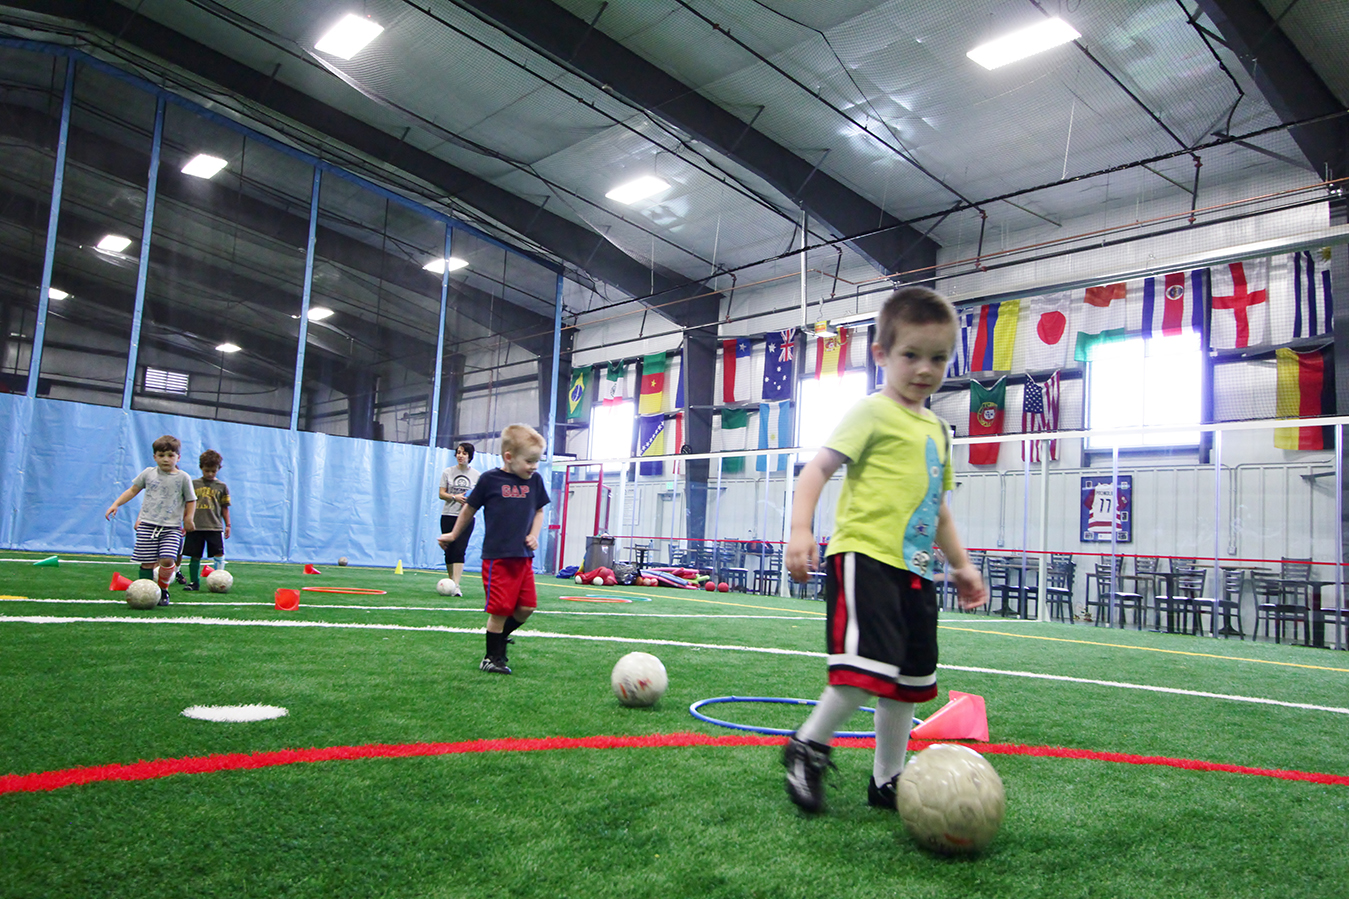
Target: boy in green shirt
[881,606]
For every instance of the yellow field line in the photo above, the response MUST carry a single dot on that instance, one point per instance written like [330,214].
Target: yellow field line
[1177,652]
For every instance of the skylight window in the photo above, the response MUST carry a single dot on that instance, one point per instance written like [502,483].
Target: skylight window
[164,381]
[440,266]
[348,37]
[1145,383]
[638,189]
[1027,42]
[203,166]
[113,243]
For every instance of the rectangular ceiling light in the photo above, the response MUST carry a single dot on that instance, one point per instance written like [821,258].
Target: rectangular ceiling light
[203,166]
[228,347]
[637,189]
[56,293]
[319,313]
[113,243]
[1023,43]
[440,266]
[345,39]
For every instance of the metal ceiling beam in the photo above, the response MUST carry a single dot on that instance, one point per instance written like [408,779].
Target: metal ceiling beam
[1288,81]
[574,44]
[685,303]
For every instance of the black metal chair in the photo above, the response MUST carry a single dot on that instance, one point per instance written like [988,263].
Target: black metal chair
[1228,604]
[730,565]
[1281,601]
[1059,590]
[768,579]
[1124,600]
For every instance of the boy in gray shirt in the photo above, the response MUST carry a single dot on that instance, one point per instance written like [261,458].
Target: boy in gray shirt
[166,514]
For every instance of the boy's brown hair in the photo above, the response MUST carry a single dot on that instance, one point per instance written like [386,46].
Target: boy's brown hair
[167,444]
[515,438]
[911,306]
[210,459]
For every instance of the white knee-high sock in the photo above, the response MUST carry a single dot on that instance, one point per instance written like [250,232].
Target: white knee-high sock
[893,722]
[836,705]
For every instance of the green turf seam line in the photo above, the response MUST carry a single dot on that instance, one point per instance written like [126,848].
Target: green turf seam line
[46,781]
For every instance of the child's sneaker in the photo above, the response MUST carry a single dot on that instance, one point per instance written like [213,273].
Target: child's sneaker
[805,763]
[493,666]
[884,795]
[163,596]
[457,591]
[179,579]
[191,588]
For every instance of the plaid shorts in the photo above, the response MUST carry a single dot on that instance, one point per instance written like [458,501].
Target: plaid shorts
[155,542]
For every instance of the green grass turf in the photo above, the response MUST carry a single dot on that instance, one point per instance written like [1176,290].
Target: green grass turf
[696,821]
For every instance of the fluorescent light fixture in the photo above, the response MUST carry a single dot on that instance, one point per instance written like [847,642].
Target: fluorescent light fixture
[348,37]
[113,243]
[229,347]
[203,166]
[319,313]
[638,189]
[1023,43]
[56,293]
[440,266]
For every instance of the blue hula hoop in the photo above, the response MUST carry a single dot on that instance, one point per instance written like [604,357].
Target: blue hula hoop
[695,707]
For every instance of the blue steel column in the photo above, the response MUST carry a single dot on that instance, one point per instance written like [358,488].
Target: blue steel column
[143,270]
[304,302]
[440,343]
[49,257]
[557,351]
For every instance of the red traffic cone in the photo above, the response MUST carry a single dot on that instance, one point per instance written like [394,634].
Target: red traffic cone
[287,600]
[962,718]
[310,569]
[207,571]
[118,582]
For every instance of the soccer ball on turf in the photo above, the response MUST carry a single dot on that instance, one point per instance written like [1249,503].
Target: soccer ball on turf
[445,587]
[219,581]
[342,561]
[639,679]
[951,799]
[143,594]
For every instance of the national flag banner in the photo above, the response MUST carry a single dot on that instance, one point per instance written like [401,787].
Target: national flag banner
[1170,304]
[1100,317]
[734,436]
[1039,414]
[736,370]
[651,442]
[1044,335]
[967,321]
[987,408]
[653,384]
[831,355]
[994,338]
[778,367]
[674,383]
[775,430]
[576,394]
[1312,299]
[615,375]
[1239,295]
[1305,389]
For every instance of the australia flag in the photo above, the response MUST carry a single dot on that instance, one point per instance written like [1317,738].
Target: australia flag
[777,366]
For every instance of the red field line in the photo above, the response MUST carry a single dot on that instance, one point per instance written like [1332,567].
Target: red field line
[147,770]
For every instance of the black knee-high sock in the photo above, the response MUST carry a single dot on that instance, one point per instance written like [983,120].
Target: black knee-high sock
[496,645]
[511,624]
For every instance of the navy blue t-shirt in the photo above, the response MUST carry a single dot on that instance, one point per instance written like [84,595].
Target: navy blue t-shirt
[508,502]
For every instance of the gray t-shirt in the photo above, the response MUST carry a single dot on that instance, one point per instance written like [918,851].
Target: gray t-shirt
[457,480]
[163,496]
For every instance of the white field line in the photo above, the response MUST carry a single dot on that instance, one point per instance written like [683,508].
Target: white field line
[646,641]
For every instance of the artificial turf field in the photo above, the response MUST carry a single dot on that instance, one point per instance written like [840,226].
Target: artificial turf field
[411,791]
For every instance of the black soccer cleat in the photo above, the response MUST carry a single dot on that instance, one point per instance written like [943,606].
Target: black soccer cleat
[884,795]
[191,588]
[179,579]
[805,763]
[163,596]
[493,666]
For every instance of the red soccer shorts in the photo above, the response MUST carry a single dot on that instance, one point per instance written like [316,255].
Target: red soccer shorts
[509,584]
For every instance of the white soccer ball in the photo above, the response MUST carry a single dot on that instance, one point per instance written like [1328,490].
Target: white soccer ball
[445,586]
[639,679]
[143,594]
[951,799]
[219,581]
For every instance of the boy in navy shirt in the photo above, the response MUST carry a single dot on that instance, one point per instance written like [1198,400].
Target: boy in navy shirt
[512,498]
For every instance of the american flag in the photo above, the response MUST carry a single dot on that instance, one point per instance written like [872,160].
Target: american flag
[1040,413]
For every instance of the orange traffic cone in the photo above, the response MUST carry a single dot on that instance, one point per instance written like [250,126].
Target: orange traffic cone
[207,571]
[310,569]
[118,582]
[287,600]
[962,718]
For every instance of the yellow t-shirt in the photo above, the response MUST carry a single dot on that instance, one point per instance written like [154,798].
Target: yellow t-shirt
[898,471]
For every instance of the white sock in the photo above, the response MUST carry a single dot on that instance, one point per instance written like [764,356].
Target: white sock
[836,706]
[893,721]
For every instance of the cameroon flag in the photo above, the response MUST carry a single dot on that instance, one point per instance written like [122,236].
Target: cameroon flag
[653,384]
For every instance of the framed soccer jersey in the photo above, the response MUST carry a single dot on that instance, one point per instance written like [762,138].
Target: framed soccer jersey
[1099,505]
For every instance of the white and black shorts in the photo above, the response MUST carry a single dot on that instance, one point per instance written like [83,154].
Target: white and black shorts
[881,629]
[155,542]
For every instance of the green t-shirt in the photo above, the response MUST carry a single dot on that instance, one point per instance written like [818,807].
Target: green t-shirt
[898,471]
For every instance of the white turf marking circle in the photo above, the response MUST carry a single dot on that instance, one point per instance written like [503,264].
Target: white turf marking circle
[234,714]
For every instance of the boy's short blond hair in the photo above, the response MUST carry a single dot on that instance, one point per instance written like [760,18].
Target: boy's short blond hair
[515,438]
[911,306]
[167,444]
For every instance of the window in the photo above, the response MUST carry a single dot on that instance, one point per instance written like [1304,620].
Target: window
[611,433]
[1145,382]
[823,404]
[163,381]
